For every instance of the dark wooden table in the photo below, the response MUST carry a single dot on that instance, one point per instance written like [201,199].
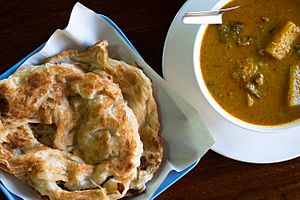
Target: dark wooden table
[25,25]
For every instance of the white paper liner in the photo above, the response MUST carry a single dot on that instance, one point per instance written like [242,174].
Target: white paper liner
[186,138]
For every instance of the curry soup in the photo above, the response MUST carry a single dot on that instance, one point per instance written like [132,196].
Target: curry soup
[246,62]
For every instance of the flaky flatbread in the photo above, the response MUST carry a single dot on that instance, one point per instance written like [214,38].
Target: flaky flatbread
[68,133]
[137,91]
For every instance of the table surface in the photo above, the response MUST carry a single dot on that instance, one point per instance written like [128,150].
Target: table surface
[25,25]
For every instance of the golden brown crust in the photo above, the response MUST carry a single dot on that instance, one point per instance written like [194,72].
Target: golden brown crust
[62,57]
[137,91]
[67,133]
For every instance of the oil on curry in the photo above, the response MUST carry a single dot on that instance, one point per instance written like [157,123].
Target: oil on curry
[251,63]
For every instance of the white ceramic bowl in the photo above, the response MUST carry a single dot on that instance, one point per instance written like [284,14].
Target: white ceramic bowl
[212,101]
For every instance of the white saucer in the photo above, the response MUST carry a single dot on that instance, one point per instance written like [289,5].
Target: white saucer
[231,141]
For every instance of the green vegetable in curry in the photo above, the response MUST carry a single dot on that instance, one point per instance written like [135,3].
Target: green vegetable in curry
[282,40]
[230,31]
[294,91]
[256,80]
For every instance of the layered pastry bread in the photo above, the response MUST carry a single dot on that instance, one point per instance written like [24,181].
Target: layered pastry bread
[80,125]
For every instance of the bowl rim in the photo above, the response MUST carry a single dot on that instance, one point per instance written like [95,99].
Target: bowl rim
[210,99]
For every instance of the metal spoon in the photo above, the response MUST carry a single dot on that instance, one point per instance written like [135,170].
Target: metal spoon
[206,17]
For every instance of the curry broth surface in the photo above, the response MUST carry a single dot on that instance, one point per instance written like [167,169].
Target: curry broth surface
[218,62]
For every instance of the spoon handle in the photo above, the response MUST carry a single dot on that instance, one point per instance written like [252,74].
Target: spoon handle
[213,12]
[206,17]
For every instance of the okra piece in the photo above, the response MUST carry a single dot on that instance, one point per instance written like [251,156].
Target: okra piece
[294,91]
[282,40]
